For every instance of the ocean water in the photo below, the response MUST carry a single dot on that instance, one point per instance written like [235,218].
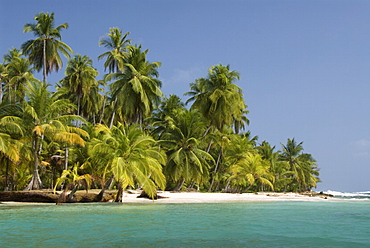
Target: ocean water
[353,195]
[257,224]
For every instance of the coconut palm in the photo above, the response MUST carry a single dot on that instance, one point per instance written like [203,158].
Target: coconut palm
[19,72]
[239,146]
[117,43]
[248,171]
[94,103]
[302,166]
[280,169]
[130,156]
[218,98]
[11,145]
[46,117]
[135,89]
[309,174]
[74,180]
[43,52]
[80,79]
[180,136]
[169,106]
[220,142]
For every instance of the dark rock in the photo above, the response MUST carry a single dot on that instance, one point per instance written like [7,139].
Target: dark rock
[28,196]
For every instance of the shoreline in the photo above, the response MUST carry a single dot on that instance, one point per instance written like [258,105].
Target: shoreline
[131,196]
[198,197]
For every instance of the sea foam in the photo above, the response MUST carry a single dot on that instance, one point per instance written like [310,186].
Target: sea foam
[354,195]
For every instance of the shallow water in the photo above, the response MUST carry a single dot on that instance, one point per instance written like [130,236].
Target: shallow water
[269,224]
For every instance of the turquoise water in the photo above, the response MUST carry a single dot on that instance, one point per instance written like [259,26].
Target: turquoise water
[270,224]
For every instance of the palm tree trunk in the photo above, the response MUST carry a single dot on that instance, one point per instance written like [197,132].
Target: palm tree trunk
[215,171]
[113,114]
[66,158]
[78,124]
[44,60]
[102,112]
[227,186]
[119,193]
[70,196]
[6,186]
[35,181]
[206,132]
[250,186]
[107,185]
[179,185]
[1,92]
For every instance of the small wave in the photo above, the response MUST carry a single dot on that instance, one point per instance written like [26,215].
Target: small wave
[364,194]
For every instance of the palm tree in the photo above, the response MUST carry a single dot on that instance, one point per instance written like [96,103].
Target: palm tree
[94,103]
[19,72]
[302,166]
[310,172]
[74,180]
[130,156]
[218,99]
[135,90]
[118,44]
[170,106]
[249,170]
[220,140]
[80,79]
[46,117]
[239,146]
[10,145]
[280,169]
[44,51]
[180,136]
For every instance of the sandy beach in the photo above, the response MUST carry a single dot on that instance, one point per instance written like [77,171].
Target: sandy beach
[196,197]
[131,196]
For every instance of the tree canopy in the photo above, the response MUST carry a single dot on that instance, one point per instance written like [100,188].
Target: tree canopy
[122,132]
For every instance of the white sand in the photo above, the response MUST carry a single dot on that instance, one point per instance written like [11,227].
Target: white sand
[197,197]
[191,197]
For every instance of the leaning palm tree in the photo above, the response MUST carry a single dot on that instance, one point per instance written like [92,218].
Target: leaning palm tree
[130,156]
[117,44]
[45,117]
[44,51]
[136,89]
[74,180]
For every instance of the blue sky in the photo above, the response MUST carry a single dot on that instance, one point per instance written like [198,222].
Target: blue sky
[304,65]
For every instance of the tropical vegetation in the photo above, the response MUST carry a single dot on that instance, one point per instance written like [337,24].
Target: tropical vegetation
[122,132]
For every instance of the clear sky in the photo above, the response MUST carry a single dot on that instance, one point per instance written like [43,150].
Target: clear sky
[304,65]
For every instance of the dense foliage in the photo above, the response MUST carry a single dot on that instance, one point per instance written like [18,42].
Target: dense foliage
[123,132]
